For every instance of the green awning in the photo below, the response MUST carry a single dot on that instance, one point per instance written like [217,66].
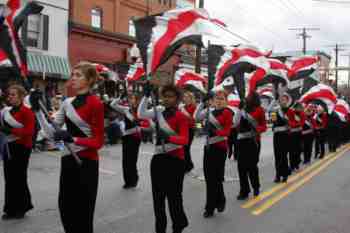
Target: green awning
[51,65]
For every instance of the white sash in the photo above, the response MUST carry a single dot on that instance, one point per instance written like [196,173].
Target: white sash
[9,119]
[75,118]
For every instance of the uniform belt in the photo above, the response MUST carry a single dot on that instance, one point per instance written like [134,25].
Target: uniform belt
[246,135]
[280,129]
[131,131]
[11,138]
[293,130]
[160,149]
[307,131]
[216,139]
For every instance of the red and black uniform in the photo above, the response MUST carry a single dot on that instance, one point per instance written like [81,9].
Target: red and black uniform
[189,110]
[84,118]
[296,120]
[280,130]
[147,130]
[131,143]
[321,124]
[168,166]
[19,123]
[219,127]
[308,136]
[252,124]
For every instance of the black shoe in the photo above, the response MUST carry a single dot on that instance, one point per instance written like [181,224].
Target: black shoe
[189,168]
[208,214]
[221,207]
[128,186]
[256,193]
[277,180]
[242,196]
[12,216]
[284,179]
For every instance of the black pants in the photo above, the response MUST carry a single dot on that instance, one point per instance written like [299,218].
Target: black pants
[320,140]
[247,161]
[17,194]
[231,141]
[167,175]
[77,194]
[308,140]
[333,138]
[214,174]
[295,150]
[130,149]
[188,157]
[281,148]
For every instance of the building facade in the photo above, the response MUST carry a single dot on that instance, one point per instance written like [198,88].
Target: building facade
[46,37]
[102,31]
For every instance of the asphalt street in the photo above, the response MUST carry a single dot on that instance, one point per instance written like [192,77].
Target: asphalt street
[315,200]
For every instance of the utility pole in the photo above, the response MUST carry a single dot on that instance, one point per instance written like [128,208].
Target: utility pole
[337,48]
[198,63]
[304,35]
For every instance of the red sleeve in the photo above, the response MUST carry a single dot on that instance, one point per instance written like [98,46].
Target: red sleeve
[259,115]
[191,109]
[97,128]
[324,120]
[291,119]
[227,124]
[182,137]
[28,121]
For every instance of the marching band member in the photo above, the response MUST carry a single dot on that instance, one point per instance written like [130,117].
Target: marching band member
[296,120]
[83,116]
[321,119]
[252,125]
[188,109]
[131,139]
[17,123]
[280,130]
[168,162]
[218,129]
[308,134]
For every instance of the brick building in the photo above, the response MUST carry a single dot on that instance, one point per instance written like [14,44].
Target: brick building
[102,31]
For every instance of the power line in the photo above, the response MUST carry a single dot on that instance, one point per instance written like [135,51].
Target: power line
[331,1]
[261,24]
[337,48]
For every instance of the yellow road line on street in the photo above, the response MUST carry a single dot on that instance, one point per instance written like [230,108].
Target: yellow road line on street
[250,203]
[269,203]
[108,172]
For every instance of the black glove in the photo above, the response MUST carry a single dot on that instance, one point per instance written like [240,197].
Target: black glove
[63,135]
[162,136]
[34,99]
[5,130]
[147,89]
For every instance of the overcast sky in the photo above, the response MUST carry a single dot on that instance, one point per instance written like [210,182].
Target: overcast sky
[266,23]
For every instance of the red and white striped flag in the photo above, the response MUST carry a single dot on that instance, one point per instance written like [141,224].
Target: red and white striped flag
[4,60]
[185,77]
[136,72]
[322,93]
[302,67]
[158,36]
[14,15]
[342,109]
[266,90]
[234,55]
